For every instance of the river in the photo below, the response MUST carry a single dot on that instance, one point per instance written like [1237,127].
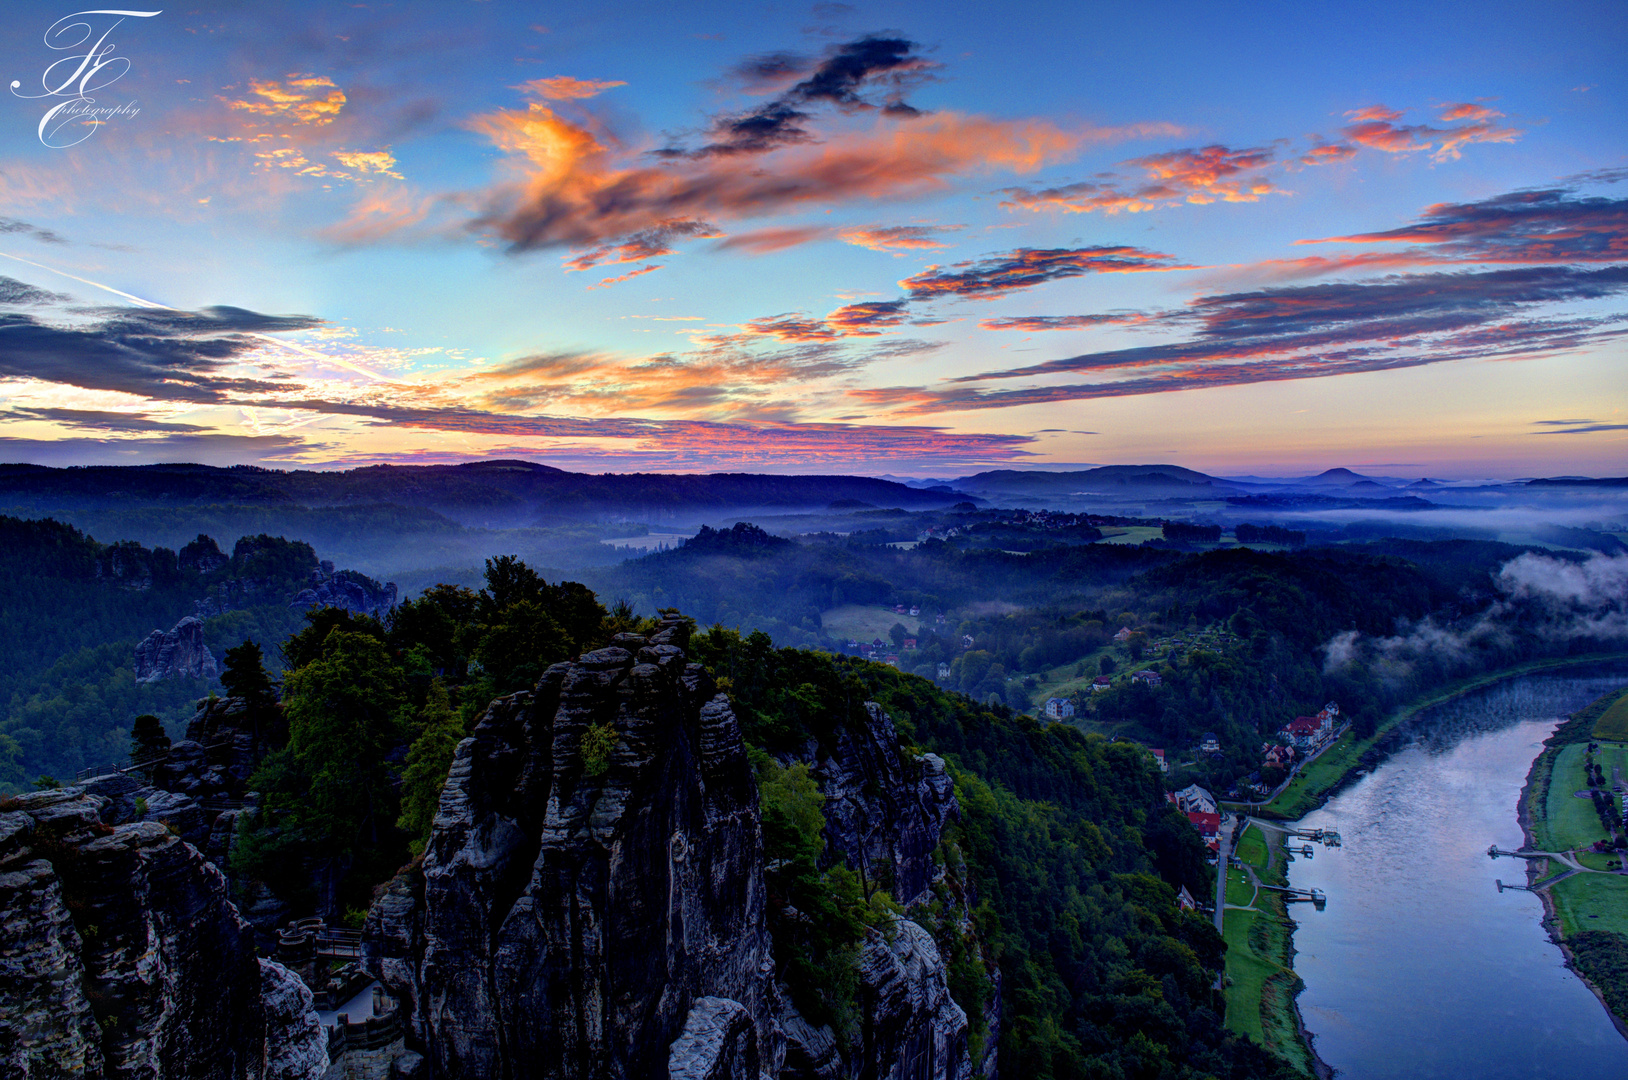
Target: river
[1419,967]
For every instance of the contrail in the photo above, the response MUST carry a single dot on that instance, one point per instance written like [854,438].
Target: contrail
[155,305]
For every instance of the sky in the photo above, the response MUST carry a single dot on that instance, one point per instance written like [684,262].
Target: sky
[890,238]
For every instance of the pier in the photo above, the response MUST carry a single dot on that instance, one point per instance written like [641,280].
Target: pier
[1316,897]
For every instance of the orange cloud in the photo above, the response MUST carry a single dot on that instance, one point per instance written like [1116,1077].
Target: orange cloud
[1468,111]
[766,241]
[897,240]
[305,99]
[565,88]
[1209,173]
[1375,126]
[629,276]
[582,187]
[368,161]
[868,319]
[1198,175]
[1328,154]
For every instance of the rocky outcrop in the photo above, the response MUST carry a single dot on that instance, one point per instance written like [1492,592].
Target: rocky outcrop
[296,1046]
[591,902]
[126,799]
[911,1026]
[123,955]
[594,876]
[231,738]
[347,589]
[180,653]
[884,810]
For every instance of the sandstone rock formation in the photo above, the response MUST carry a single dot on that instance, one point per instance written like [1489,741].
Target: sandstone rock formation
[595,871]
[347,589]
[884,811]
[591,902]
[124,956]
[179,653]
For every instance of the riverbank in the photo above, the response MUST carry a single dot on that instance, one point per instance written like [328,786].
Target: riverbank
[1262,986]
[1261,983]
[1341,762]
[1585,914]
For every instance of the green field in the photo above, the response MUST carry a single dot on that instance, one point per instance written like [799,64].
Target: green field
[1239,889]
[865,622]
[1592,902]
[1260,984]
[1130,534]
[1571,822]
[1613,724]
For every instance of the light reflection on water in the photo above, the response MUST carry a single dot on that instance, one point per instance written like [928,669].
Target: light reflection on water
[1419,967]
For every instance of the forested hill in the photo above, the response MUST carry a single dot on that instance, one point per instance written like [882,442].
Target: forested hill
[74,611]
[503,493]
[1232,642]
[1072,854]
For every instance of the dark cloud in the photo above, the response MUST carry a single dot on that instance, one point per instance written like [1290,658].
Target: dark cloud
[1589,429]
[645,244]
[22,294]
[214,448]
[156,353]
[1025,268]
[1033,323]
[1313,331]
[90,419]
[701,442]
[852,320]
[11,226]
[1549,226]
[843,80]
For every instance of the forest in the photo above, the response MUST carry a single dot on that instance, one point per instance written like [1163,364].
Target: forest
[74,611]
[1074,855]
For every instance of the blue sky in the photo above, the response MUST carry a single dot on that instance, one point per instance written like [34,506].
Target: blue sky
[878,238]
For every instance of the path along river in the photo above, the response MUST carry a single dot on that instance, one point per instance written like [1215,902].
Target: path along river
[1419,967]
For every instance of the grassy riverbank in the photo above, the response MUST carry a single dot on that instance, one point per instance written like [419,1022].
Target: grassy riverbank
[1311,788]
[1260,979]
[1261,982]
[1586,913]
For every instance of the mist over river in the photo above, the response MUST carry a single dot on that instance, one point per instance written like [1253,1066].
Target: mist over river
[1419,967]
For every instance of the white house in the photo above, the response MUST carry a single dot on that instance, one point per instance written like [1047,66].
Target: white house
[1059,708]
[1195,800]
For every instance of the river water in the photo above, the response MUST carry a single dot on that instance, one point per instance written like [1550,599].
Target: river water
[1419,967]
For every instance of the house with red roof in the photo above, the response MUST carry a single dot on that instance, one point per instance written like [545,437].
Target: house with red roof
[1208,826]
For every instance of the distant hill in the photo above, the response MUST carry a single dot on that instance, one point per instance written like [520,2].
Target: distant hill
[1116,479]
[478,493]
[1580,481]
[1333,478]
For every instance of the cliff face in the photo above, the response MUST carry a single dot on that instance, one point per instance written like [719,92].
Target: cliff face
[884,812]
[124,955]
[595,870]
[179,653]
[591,902]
